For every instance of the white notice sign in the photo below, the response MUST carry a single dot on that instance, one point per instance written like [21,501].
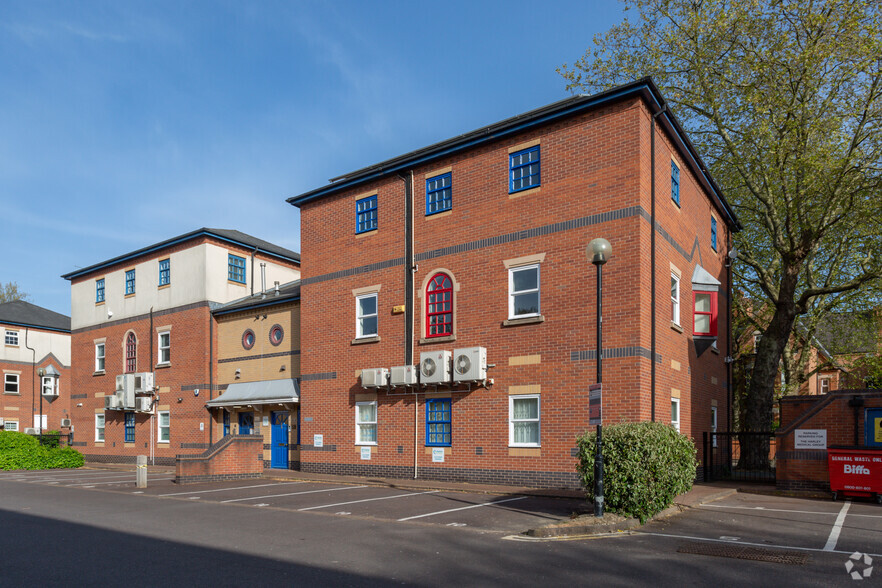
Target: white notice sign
[810,439]
[438,454]
[318,440]
[365,453]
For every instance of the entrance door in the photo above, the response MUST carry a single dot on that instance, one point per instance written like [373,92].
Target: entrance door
[226,423]
[246,423]
[279,455]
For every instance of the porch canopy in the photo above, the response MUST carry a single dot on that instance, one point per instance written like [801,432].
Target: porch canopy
[284,391]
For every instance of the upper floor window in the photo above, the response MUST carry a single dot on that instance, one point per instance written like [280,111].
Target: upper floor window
[130,282]
[439,193]
[705,317]
[823,385]
[99,357]
[236,268]
[366,315]
[714,233]
[164,272]
[523,291]
[10,384]
[366,214]
[99,290]
[675,299]
[524,169]
[131,354]
[438,422]
[439,306]
[675,183]
[50,386]
[11,337]
[164,347]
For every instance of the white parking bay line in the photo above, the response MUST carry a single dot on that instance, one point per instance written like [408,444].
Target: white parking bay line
[293,493]
[368,500]
[431,514]
[129,481]
[225,489]
[764,509]
[837,528]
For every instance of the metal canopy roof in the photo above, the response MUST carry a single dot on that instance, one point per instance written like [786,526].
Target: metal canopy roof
[267,392]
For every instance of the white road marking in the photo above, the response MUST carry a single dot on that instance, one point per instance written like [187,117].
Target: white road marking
[431,514]
[837,527]
[368,500]
[293,493]
[814,512]
[194,498]
[114,482]
[765,545]
[138,492]
[225,489]
[44,479]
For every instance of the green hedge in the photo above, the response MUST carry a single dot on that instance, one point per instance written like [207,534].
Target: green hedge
[24,452]
[646,465]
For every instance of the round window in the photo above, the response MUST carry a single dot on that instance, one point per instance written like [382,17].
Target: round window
[248,339]
[276,334]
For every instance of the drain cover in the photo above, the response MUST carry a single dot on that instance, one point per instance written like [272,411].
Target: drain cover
[794,558]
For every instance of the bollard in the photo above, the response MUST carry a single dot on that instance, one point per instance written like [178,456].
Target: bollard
[141,472]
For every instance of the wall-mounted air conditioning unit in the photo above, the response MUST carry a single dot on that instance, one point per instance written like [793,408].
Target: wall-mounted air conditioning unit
[30,431]
[144,404]
[374,377]
[126,399]
[112,402]
[435,367]
[125,381]
[470,364]
[404,375]
[144,382]
[65,422]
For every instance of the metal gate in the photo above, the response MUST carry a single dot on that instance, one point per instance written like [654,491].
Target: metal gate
[741,456]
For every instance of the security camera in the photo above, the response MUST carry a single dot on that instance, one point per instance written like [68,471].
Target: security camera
[109,313]
[733,253]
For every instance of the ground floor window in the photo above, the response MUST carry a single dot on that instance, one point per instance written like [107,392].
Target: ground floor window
[246,423]
[164,426]
[438,422]
[99,427]
[10,425]
[366,423]
[675,413]
[226,423]
[523,420]
[130,427]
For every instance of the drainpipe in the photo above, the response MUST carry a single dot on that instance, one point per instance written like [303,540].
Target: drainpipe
[210,374]
[262,280]
[151,363]
[33,380]
[654,278]
[409,269]
[729,359]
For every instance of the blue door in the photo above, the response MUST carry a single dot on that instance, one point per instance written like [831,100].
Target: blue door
[246,423]
[279,454]
[226,423]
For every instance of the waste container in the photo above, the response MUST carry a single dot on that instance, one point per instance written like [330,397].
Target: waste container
[855,471]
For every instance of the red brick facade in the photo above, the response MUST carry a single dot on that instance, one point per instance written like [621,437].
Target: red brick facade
[25,405]
[595,182]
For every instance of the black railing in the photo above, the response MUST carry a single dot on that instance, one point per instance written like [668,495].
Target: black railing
[54,439]
[748,457]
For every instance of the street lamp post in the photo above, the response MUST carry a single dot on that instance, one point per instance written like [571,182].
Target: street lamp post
[598,252]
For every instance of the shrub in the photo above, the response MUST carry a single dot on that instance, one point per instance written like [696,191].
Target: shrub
[646,465]
[24,452]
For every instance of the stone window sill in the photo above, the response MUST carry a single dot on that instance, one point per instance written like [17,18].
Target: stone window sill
[676,327]
[445,339]
[363,340]
[530,320]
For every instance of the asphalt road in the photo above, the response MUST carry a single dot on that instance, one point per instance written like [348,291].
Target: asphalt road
[54,534]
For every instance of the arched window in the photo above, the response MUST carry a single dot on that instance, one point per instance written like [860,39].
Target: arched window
[131,353]
[439,306]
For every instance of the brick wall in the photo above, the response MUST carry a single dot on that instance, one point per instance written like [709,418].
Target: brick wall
[234,457]
[24,406]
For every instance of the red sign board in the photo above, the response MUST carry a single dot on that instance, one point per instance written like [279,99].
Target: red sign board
[595,397]
[856,472]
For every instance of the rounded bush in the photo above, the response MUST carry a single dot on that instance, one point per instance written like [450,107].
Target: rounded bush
[24,452]
[646,465]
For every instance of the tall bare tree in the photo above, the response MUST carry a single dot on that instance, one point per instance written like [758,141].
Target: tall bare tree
[783,98]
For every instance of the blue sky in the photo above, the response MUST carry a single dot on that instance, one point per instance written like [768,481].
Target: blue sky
[126,123]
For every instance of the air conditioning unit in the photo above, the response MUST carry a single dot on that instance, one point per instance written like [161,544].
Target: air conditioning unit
[125,381]
[126,398]
[112,403]
[435,367]
[470,364]
[374,377]
[404,375]
[30,431]
[144,382]
[65,422]
[144,404]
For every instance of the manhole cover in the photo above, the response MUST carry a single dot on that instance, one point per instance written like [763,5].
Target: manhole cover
[794,558]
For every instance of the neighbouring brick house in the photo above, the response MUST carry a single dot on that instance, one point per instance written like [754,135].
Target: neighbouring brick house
[477,245]
[146,315]
[35,339]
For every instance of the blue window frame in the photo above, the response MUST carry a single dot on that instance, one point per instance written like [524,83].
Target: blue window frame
[130,282]
[438,422]
[714,233]
[227,423]
[99,290]
[366,214]
[130,427]
[675,183]
[439,194]
[524,169]
[236,268]
[164,272]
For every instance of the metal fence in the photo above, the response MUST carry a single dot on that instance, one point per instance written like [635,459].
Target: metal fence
[54,439]
[748,457]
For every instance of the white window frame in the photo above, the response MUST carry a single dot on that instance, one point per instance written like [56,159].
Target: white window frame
[714,425]
[675,300]
[7,423]
[824,380]
[7,380]
[675,422]
[512,293]
[41,419]
[359,423]
[49,383]
[160,427]
[11,338]
[100,424]
[537,420]
[359,334]
[160,349]
[100,357]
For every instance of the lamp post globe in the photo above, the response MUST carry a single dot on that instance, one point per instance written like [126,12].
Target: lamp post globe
[598,251]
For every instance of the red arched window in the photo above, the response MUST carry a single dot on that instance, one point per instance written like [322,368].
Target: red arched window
[131,353]
[439,306]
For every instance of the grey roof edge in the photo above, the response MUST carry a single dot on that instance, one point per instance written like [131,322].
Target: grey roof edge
[287,292]
[20,313]
[644,88]
[229,235]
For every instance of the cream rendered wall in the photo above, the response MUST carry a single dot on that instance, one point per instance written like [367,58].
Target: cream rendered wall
[44,342]
[221,289]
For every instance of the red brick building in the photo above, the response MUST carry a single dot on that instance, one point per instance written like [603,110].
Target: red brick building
[480,242]
[144,343]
